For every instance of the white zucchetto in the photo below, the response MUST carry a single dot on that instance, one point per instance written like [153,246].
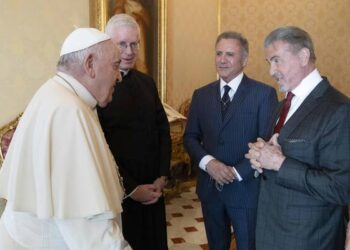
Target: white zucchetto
[82,38]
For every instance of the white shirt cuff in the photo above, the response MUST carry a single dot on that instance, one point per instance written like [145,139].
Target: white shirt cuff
[203,163]
[206,159]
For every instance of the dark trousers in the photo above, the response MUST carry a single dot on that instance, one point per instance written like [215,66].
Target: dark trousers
[144,226]
[218,219]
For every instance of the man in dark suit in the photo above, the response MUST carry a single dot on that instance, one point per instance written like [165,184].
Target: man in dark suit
[224,116]
[137,131]
[306,163]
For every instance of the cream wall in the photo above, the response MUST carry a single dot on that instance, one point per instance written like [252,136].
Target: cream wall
[31,34]
[33,31]
[328,23]
[191,32]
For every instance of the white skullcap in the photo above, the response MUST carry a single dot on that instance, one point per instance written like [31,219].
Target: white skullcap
[82,38]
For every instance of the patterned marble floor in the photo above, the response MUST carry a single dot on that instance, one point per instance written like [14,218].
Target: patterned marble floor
[185,221]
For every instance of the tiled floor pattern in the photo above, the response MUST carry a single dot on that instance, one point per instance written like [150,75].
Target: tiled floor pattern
[185,222]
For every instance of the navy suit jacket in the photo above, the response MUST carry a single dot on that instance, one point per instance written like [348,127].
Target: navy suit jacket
[303,205]
[227,140]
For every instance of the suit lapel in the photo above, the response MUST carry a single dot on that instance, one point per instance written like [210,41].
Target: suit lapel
[305,108]
[216,101]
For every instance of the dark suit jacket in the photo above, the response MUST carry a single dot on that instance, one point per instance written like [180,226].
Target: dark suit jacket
[137,130]
[227,140]
[302,206]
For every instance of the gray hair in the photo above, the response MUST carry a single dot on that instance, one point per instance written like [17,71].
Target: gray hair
[238,36]
[71,61]
[121,20]
[296,37]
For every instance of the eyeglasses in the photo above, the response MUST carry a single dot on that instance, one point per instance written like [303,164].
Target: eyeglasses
[133,46]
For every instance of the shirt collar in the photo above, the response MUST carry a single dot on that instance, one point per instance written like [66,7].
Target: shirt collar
[78,88]
[307,84]
[234,83]
[125,72]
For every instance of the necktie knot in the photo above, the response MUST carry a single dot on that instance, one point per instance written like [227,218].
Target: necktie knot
[289,97]
[226,98]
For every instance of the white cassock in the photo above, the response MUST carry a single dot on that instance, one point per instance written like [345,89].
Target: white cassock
[59,176]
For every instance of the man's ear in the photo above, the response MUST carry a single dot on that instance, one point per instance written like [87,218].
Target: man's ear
[304,55]
[89,65]
[245,61]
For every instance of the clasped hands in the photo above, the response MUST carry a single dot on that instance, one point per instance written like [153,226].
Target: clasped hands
[265,155]
[149,193]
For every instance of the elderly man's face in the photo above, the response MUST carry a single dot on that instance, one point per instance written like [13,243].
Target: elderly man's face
[229,59]
[286,65]
[107,72]
[127,40]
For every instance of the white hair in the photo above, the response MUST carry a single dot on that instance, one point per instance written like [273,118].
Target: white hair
[121,20]
[68,62]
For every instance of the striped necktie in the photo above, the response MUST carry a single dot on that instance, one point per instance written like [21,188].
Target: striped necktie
[225,101]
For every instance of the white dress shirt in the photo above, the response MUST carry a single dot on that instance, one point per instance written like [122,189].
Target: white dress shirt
[303,90]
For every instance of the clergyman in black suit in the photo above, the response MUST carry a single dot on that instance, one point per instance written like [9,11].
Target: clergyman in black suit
[306,163]
[224,116]
[137,131]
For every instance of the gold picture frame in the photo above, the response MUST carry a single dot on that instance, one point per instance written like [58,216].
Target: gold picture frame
[100,12]
[6,133]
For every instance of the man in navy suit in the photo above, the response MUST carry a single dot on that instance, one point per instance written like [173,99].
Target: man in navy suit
[306,163]
[224,116]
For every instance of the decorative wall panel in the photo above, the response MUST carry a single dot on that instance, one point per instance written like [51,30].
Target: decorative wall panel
[326,21]
[191,33]
[31,36]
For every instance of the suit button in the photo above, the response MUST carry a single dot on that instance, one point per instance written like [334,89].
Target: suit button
[221,142]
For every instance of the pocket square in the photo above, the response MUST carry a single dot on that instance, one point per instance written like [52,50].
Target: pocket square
[295,140]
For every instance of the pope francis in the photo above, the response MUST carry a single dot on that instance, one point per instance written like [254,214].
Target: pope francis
[59,178]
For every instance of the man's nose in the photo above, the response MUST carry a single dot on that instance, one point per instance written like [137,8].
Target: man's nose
[222,59]
[128,50]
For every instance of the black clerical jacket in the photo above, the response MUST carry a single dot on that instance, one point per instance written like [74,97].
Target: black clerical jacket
[137,130]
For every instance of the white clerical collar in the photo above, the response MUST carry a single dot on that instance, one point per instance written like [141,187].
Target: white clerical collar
[234,83]
[307,84]
[125,72]
[75,86]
